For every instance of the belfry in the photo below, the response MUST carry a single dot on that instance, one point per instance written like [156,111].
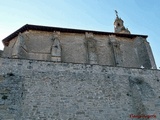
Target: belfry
[118,25]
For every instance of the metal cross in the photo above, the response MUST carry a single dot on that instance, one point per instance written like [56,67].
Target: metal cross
[116,13]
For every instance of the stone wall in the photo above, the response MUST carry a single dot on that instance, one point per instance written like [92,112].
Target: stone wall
[1,52]
[39,90]
[81,48]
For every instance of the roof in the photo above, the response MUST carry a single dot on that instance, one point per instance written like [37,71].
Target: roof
[51,29]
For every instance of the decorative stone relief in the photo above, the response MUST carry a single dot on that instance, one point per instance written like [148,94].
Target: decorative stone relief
[56,47]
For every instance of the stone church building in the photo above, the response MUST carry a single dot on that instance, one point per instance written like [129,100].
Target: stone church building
[51,73]
[80,46]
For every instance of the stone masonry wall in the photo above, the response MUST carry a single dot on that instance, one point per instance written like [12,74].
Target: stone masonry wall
[1,52]
[39,90]
[81,48]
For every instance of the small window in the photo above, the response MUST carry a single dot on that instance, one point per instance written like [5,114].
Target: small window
[118,24]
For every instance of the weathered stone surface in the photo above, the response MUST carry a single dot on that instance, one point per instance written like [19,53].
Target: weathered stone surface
[89,35]
[56,52]
[82,48]
[19,48]
[91,45]
[141,50]
[1,52]
[42,90]
[49,73]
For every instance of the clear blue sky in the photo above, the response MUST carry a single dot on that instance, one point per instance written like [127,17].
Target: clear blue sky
[140,16]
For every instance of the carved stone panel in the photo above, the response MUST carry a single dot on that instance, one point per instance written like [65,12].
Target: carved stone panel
[56,49]
[118,54]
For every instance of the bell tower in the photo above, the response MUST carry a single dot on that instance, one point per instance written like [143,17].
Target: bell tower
[118,25]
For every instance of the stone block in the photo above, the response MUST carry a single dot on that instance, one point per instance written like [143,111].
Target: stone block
[89,35]
[56,59]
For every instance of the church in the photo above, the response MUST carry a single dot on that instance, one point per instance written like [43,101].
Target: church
[52,73]
[120,48]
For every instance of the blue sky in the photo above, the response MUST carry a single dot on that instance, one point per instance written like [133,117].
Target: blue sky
[140,16]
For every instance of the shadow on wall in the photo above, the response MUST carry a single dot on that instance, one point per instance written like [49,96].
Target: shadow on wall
[1,53]
[142,95]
